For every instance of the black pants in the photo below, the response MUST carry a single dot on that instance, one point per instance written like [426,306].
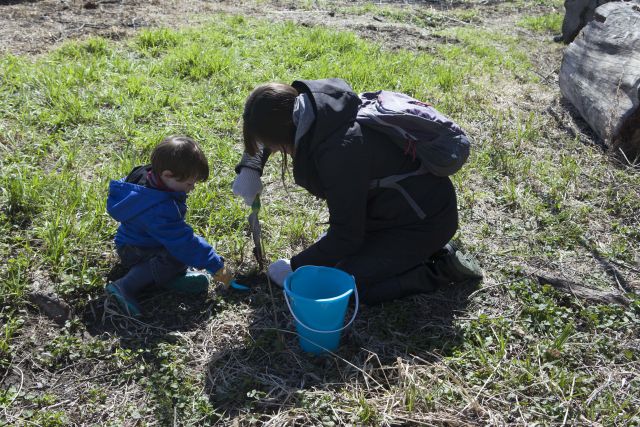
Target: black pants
[163,267]
[392,263]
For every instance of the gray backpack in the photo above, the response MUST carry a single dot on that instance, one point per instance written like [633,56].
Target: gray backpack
[420,130]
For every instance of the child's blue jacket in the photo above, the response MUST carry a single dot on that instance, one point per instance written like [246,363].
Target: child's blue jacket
[153,218]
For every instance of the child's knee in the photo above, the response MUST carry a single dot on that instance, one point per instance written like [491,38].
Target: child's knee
[166,268]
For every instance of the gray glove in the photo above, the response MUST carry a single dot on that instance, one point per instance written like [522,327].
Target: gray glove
[279,270]
[247,185]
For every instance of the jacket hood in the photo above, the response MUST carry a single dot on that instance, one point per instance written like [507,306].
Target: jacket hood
[127,200]
[334,104]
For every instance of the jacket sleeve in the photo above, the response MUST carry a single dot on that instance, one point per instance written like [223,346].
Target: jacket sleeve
[344,176]
[172,232]
[256,162]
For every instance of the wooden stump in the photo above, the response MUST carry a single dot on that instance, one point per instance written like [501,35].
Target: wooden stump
[600,76]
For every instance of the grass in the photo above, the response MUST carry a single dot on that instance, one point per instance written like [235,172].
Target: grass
[533,195]
[420,17]
[550,23]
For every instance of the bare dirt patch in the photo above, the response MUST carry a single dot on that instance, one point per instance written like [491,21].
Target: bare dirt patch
[37,26]
[32,27]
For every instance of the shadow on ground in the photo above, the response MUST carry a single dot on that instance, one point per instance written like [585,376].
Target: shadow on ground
[266,371]
[164,314]
[571,121]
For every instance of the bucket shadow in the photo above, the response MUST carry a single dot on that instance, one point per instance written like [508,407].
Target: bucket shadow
[265,370]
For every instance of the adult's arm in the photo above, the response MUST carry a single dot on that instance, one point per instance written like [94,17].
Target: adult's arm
[256,162]
[247,183]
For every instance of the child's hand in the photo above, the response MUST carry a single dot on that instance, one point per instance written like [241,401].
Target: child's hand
[223,275]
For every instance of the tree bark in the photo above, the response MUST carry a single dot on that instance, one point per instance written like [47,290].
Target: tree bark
[597,296]
[600,76]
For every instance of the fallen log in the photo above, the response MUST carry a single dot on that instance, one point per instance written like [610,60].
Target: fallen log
[600,76]
[578,290]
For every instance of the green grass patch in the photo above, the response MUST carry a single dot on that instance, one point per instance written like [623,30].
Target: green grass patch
[89,111]
[550,23]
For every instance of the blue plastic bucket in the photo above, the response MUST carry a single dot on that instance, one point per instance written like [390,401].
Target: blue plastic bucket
[317,298]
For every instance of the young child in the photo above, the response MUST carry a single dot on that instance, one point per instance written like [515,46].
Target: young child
[153,240]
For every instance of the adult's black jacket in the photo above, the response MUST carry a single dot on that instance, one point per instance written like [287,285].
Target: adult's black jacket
[336,160]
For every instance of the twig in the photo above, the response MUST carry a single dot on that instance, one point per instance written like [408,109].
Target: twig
[573,383]
[486,288]
[475,399]
[620,287]
[597,391]
[544,78]
[632,165]
[623,265]
[520,410]
[19,389]
[273,299]
[106,374]
[459,21]
[55,405]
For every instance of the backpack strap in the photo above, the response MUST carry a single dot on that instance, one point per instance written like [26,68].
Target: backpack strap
[393,182]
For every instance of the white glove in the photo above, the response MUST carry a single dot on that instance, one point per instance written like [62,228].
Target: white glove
[247,185]
[279,270]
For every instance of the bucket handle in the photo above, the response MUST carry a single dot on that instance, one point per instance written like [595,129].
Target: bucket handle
[355,312]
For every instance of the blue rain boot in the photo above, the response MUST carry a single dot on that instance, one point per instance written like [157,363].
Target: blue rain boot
[127,303]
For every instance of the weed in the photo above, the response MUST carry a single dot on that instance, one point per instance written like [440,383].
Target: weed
[550,23]
[156,41]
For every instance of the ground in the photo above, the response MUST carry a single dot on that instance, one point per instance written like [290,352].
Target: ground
[550,336]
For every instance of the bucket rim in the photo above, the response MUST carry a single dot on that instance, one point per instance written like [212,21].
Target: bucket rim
[293,294]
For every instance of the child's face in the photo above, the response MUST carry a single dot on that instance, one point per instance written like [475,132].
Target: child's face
[175,184]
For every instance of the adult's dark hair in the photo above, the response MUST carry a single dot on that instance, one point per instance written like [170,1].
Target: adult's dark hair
[267,117]
[182,156]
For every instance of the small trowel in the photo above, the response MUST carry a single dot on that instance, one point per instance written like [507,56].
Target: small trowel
[254,224]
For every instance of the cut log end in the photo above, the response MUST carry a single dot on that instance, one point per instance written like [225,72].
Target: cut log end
[627,143]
